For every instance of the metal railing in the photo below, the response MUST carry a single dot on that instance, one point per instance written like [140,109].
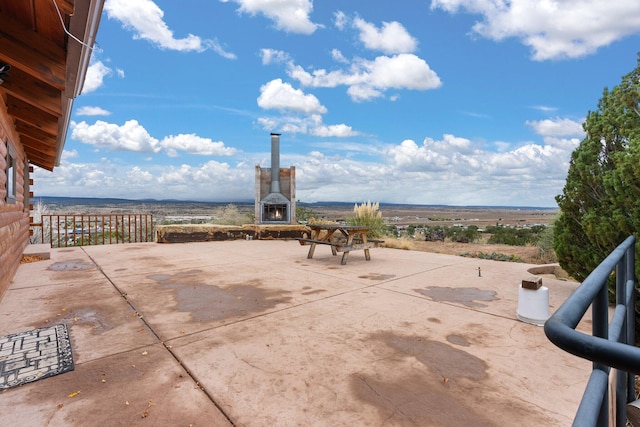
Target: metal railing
[98,229]
[612,343]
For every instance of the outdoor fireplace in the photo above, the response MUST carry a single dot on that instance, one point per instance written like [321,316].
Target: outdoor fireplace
[275,190]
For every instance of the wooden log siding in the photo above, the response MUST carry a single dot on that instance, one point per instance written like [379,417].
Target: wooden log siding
[14,220]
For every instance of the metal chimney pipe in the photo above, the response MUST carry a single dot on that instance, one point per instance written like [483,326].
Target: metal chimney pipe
[275,163]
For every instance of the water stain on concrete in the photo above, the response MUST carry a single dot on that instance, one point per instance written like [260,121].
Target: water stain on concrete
[377,276]
[458,340]
[71,265]
[447,361]
[465,296]
[415,401]
[207,302]
[91,317]
[94,312]
[425,397]
[447,392]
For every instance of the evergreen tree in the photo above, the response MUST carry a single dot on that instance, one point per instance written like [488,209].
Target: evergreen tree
[600,203]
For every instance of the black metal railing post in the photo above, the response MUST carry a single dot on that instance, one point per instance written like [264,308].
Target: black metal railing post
[612,343]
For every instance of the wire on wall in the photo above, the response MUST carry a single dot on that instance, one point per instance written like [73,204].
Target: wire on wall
[65,28]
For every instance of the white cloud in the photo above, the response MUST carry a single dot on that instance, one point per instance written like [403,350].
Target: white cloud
[79,179]
[367,79]
[555,131]
[404,71]
[133,137]
[176,176]
[273,56]
[545,108]
[211,180]
[282,96]
[288,15]
[460,159]
[370,79]
[449,170]
[145,19]
[310,124]
[340,131]
[92,111]
[95,76]
[452,170]
[69,154]
[340,20]
[129,137]
[138,176]
[552,29]
[391,38]
[194,144]
[338,56]
[565,144]
[557,127]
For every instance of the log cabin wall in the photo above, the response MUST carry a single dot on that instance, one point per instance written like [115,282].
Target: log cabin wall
[14,218]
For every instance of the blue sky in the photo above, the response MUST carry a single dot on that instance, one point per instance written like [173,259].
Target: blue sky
[457,102]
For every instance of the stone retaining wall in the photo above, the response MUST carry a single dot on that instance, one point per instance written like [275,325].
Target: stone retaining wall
[213,232]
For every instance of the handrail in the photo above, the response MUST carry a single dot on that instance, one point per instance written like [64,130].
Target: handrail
[95,229]
[612,344]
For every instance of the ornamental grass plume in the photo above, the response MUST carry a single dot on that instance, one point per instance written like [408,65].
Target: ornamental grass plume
[368,215]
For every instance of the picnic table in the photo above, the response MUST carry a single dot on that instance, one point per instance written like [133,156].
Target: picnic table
[341,238]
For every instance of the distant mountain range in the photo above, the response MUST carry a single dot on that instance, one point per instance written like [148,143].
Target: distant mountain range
[97,201]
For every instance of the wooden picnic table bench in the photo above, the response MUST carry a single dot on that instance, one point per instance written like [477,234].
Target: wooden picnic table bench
[341,238]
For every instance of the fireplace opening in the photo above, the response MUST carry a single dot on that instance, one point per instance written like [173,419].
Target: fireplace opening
[277,212]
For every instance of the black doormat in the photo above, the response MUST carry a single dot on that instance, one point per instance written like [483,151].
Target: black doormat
[29,356]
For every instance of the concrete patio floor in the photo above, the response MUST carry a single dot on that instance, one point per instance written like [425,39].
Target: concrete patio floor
[252,333]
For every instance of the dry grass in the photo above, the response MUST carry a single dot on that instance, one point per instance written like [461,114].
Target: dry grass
[406,244]
[320,221]
[30,258]
[527,254]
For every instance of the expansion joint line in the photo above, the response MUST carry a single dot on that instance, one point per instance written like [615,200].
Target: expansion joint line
[167,347]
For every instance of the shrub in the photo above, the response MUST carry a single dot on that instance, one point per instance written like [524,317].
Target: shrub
[230,215]
[493,256]
[544,244]
[305,215]
[514,236]
[368,214]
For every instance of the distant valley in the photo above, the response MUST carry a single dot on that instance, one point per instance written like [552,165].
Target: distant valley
[399,214]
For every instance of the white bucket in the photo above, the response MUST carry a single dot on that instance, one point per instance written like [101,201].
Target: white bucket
[533,305]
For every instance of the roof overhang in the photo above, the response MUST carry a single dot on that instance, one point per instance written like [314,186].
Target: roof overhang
[48,69]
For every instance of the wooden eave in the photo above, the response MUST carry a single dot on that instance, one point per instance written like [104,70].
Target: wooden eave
[47,69]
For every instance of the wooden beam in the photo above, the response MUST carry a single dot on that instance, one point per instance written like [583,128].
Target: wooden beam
[47,20]
[34,155]
[21,11]
[27,113]
[36,133]
[37,146]
[39,151]
[34,54]
[65,6]
[39,160]
[35,92]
